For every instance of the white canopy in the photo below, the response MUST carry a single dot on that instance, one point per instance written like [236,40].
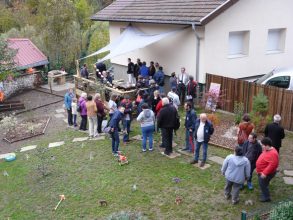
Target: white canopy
[131,39]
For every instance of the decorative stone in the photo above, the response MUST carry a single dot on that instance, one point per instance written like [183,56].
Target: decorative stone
[216,159]
[32,147]
[59,115]
[61,110]
[80,139]
[2,156]
[288,180]
[288,172]
[56,144]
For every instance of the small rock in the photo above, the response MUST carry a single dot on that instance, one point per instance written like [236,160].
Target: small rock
[249,202]
[5,173]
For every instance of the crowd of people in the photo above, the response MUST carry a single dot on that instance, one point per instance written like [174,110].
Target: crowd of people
[158,112]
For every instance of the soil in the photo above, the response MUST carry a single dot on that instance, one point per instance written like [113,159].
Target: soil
[33,99]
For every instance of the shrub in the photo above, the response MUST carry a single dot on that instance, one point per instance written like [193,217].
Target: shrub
[282,211]
[126,215]
[238,111]
[260,104]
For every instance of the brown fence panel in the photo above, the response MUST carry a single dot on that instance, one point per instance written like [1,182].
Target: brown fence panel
[235,90]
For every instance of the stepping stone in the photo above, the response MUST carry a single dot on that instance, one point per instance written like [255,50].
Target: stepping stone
[202,168]
[80,139]
[61,110]
[59,115]
[137,138]
[98,138]
[2,156]
[187,153]
[288,172]
[56,144]
[65,120]
[172,155]
[288,180]
[23,149]
[174,144]
[216,159]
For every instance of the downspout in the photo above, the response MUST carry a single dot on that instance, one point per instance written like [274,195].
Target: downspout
[197,52]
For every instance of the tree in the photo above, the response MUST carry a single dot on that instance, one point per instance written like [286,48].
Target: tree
[7,64]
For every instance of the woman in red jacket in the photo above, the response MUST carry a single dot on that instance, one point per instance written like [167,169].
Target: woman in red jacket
[266,167]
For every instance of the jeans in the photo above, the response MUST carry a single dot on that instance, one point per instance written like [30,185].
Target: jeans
[205,151]
[189,140]
[74,120]
[264,186]
[93,126]
[252,167]
[100,120]
[115,141]
[167,136]
[83,122]
[232,189]
[147,133]
[161,89]
[126,127]
[69,118]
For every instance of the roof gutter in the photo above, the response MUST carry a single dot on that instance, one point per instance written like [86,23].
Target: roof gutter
[197,52]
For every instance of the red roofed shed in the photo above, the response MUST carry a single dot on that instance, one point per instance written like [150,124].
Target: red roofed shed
[28,55]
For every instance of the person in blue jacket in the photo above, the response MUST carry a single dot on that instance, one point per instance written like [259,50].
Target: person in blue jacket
[190,120]
[144,71]
[67,103]
[159,78]
[114,124]
[203,131]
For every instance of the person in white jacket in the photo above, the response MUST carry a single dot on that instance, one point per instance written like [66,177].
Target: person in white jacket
[236,169]
[147,123]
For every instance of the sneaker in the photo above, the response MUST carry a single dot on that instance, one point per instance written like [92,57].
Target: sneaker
[143,150]
[115,155]
[193,162]
[151,149]
[227,196]
[234,202]
[202,164]
[249,185]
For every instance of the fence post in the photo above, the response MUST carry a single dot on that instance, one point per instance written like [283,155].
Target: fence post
[243,215]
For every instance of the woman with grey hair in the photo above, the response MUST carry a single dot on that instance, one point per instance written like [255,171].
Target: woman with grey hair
[82,111]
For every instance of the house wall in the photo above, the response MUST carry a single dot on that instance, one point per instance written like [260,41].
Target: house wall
[172,52]
[256,17]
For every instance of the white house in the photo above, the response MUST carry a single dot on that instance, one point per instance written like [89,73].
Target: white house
[233,38]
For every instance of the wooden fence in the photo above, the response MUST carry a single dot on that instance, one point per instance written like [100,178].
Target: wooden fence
[235,90]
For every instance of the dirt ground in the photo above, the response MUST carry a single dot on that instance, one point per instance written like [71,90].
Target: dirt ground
[33,99]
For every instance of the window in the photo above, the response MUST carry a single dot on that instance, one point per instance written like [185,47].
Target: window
[276,40]
[238,44]
[279,81]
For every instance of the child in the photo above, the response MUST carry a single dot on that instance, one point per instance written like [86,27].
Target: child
[74,111]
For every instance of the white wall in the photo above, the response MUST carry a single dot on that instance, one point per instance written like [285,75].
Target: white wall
[171,52]
[257,16]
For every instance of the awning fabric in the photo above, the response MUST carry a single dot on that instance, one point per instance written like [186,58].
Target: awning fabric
[131,39]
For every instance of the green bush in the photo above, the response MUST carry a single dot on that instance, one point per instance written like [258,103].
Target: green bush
[238,111]
[282,211]
[260,104]
[126,215]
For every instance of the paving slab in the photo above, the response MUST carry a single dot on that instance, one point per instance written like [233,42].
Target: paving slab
[216,159]
[174,144]
[137,138]
[59,115]
[187,153]
[98,138]
[206,166]
[58,88]
[172,155]
[288,172]
[2,156]
[80,139]
[56,144]
[61,110]
[27,148]
[288,180]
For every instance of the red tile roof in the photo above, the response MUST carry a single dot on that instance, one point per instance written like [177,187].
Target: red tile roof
[197,12]
[28,55]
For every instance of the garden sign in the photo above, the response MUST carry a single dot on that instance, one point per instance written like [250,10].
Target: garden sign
[213,96]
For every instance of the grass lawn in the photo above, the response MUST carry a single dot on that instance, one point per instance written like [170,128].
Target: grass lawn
[26,195]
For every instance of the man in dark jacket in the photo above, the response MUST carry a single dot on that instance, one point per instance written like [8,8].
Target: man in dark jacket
[167,121]
[251,149]
[159,78]
[84,72]
[189,127]
[203,131]
[275,132]
[191,90]
[114,124]
[152,69]
[127,104]
[137,68]
[130,71]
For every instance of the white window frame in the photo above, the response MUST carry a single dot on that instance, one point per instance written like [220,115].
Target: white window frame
[276,40]
[238,44]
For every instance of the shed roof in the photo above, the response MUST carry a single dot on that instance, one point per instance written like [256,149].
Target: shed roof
[197,12]
[28,55]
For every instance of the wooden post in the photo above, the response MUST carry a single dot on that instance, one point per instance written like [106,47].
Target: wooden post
[77,68]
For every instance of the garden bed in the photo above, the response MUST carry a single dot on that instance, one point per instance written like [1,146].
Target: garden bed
[26,129]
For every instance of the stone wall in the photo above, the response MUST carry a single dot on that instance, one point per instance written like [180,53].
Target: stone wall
[17,84]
